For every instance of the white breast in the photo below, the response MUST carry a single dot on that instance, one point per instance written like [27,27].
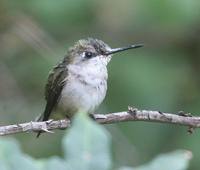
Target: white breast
[85,88]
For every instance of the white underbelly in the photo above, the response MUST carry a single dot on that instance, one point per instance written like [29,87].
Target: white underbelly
[79,96]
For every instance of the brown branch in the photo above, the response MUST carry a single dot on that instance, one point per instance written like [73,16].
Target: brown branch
[131,115]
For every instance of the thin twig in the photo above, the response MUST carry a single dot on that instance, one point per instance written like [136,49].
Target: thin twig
[131,115]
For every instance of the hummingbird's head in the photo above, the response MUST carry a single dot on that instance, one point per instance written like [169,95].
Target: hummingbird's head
[94,50]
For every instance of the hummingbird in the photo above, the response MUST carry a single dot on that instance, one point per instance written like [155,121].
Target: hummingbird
[79,82]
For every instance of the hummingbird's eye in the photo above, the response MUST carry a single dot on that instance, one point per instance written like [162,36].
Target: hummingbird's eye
[88,54]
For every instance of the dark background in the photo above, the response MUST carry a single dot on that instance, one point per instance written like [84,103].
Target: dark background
[164,75]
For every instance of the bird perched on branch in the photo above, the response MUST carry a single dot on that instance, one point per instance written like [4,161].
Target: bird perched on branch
[79,82]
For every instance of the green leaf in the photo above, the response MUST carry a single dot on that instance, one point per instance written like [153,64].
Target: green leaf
[12,158]
[87,145]
[8,146]
[177,160]
[22,161]
[56,163]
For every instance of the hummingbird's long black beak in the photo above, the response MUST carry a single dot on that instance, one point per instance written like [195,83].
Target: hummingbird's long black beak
[116,50]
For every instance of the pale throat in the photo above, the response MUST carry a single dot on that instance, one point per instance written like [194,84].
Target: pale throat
[94,71]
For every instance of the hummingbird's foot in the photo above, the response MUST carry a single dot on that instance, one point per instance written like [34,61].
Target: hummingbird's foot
[182,113]
[132,110]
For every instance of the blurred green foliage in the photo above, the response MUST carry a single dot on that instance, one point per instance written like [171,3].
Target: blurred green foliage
[177,160]
[164,75]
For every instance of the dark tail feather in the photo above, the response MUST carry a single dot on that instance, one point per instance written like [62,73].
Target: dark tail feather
[44,117]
